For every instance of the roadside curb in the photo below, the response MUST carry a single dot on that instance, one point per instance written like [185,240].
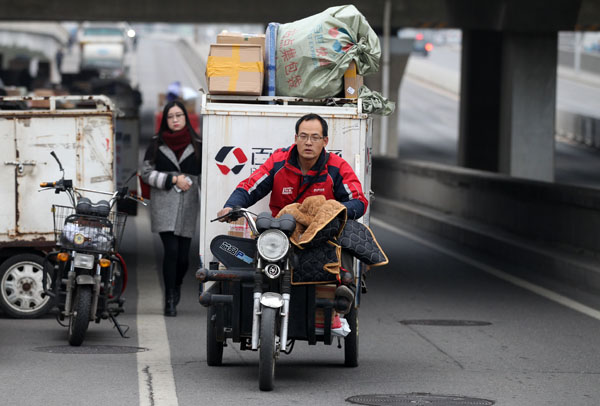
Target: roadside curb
[534,262]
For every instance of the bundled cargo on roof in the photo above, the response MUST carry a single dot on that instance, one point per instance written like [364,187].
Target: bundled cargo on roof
[314,53]
[235,69]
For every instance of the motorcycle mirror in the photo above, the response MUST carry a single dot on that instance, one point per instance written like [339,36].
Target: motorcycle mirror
[130,177]
[57,160]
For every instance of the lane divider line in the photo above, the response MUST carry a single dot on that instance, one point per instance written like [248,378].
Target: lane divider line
[156,382]
[546,293]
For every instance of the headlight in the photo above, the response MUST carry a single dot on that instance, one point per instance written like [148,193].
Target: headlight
[83,261]
[273,245]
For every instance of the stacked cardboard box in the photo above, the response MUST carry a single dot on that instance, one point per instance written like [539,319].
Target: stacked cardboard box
[236,64]
[352,82]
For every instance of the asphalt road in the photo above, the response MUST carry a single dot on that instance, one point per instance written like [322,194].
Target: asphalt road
[435,321]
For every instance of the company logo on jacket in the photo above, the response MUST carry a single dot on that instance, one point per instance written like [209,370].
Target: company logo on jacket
[287,190]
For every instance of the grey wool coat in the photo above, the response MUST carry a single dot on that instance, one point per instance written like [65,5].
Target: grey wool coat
[171,210]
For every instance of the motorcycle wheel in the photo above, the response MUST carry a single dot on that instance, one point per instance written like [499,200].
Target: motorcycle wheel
[351,340]
[80,317]
[21,289]
[268,350]
[214,348]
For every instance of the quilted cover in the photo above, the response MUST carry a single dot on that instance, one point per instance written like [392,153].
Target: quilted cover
[322,231]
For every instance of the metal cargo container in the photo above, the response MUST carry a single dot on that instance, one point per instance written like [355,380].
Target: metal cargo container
[83,139]
[238,137]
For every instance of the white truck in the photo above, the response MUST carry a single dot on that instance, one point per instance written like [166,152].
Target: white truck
[104,46]
[240,132]
[83,139]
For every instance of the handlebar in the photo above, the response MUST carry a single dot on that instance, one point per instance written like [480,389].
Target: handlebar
[237,212]
[234,214]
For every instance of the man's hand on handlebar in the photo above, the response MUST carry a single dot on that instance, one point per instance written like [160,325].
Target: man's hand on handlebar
[222,214]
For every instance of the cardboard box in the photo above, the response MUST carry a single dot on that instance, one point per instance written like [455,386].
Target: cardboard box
[239,228]
[238,38]
[41,104]
[235,69]
[352,82]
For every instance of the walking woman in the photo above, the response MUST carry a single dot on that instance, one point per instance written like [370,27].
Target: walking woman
[171,167]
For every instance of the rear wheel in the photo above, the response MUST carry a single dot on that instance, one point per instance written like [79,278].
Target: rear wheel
[21,288]
[268,350]
[351,340]
[80,316]
[214,348]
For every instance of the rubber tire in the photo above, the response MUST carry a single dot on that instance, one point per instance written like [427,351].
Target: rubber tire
[214,348]
[79,321]
[12,263]
[351,340]
[266,361]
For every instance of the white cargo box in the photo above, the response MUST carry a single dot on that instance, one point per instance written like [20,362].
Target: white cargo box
[83,139]
[238,137]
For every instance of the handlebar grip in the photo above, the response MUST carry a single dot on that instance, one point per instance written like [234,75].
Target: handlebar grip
[47,184]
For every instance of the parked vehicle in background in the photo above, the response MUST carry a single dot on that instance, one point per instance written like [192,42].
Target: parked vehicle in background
[89,275]
[84,138]
[422,40]
[103,47]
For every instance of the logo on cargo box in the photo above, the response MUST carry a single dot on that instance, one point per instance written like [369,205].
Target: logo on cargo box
[230,159]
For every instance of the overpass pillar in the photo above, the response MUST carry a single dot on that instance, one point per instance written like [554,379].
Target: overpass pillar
[508,103]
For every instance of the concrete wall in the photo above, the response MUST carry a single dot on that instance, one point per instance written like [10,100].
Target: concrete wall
[590,62]
[562,216]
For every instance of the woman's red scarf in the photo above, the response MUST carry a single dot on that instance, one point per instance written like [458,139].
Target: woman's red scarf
[177,140]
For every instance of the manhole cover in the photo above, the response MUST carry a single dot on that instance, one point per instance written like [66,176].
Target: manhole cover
[428,322]
[418,399]
[91,349]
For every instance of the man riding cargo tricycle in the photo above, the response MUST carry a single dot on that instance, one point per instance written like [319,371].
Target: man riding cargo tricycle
[291,272]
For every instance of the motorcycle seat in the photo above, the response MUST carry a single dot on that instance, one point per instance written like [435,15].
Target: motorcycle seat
[87,207]
[285,223]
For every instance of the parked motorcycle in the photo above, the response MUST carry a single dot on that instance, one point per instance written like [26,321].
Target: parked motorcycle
[253,301]
[89,276]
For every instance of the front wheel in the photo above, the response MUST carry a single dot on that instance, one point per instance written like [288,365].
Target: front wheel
[268,349]
[80,316]
[351,340]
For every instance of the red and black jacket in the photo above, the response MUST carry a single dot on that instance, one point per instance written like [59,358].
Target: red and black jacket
[282,176]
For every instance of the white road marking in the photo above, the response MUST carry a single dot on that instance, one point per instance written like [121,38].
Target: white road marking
[155,373]
[548,294]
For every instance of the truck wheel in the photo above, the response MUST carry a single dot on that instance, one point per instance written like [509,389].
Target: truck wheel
[268,350]
[22,294]
[351,340]
[214,348]
[80,316]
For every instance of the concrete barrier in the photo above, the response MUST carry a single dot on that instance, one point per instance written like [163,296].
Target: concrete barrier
[550,229]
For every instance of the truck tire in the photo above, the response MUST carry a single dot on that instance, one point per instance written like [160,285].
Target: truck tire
[22,294]
[80,316]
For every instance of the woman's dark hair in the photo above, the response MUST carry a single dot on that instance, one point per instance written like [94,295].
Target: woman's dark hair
[312,116]
[164,127]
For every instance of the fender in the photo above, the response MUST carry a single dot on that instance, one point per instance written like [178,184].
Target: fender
[85,280]
[272,300]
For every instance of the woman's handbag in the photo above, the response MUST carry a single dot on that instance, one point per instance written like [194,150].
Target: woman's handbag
[144,188]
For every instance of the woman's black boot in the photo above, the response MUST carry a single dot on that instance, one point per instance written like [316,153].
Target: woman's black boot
[177,294]
[170,305]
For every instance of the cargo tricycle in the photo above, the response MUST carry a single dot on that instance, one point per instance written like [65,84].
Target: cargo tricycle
[246,282]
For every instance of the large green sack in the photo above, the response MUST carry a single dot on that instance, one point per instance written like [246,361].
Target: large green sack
[313,53]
